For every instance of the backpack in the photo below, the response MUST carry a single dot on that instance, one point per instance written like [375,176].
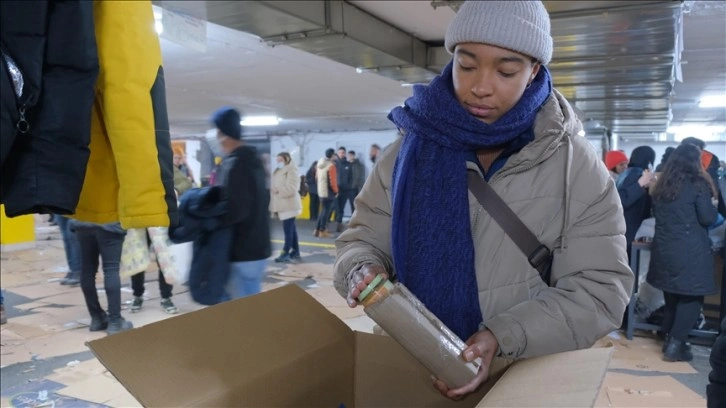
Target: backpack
[304,188]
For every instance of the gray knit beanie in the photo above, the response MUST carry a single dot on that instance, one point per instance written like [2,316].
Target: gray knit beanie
[521,26]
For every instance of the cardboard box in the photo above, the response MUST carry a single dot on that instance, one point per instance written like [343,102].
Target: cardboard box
[283,348]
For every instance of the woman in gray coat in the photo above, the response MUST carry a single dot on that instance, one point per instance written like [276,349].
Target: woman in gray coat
[681,263]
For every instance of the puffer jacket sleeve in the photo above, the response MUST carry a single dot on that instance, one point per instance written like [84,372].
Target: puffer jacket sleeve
[129,177]
[367,240]
[592,281]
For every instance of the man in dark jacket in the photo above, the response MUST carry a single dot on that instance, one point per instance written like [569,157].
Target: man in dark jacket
[358,177]
[243,177]
[342,165]
[313,186]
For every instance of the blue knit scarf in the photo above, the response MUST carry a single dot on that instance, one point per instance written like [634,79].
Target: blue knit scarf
[432,246]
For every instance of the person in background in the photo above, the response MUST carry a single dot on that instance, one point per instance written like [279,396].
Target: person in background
[664,159]
[345,184]
[716,389]
[327,180]
[616,161]
[493,113]
[710,163]
[374,153]
[215,170]
[681,262]
[285,204]
[138,285]
[632,187]
[181,182]
[358,178]
[313,186]
[243,176]
[107,241]
[180,162]
[72,251]
[3,318]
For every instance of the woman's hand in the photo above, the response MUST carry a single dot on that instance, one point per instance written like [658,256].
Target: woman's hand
[360,279]
[482,344]
[646,179]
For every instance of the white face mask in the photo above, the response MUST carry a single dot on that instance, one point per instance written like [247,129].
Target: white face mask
[279,165]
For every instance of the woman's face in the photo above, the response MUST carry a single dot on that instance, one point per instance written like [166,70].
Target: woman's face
[280,160]
[489,80]
[620,167]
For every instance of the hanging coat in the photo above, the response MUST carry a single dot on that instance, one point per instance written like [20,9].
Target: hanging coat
[49,69]
[202,212]
[130,175]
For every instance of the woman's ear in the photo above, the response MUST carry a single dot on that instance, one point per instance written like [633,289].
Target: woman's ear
[535,71]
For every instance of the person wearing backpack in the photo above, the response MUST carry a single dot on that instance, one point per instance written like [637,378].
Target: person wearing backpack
[493,116]
[285,204]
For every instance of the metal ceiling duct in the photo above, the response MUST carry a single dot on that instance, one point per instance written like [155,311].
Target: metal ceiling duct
[617,63]
[333,29]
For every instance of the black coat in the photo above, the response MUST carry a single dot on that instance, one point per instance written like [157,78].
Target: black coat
[681,259]
[635,200]
[201,217]
[345,174]
[53,44]
[244,182]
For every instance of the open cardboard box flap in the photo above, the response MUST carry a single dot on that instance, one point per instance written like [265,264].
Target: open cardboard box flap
[283,348]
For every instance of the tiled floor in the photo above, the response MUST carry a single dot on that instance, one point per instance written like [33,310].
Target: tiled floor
[45,361]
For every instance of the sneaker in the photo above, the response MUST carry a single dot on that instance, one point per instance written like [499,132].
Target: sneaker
[119,325]
[3,318]
[99,323]
[284,257]
[137,304]
[168,306]
[295,255]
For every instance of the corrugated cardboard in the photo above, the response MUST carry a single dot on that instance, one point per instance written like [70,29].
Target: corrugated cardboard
[283,348]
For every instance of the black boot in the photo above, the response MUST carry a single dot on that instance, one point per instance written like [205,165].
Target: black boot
[666,337]
[71,279]
[676,350]
[99,323]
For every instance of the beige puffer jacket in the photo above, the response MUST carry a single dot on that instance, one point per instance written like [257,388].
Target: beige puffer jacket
[562,191]
[286,201]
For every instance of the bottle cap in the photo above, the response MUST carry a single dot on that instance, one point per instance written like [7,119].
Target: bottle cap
[367,291]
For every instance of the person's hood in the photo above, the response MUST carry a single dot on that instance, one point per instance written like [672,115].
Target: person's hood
[324,163]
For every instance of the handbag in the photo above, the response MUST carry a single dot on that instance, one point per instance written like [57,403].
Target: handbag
[538,255]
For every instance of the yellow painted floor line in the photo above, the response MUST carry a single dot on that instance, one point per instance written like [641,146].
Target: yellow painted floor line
[310,244]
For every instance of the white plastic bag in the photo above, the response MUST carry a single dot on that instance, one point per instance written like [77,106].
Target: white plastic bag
[182,257]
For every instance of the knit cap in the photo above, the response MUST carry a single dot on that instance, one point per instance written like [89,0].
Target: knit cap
[521,26]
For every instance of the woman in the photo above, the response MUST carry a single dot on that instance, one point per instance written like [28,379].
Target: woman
[616,162]
[285,204]
[493,113]
[107,241]
[681,261]
[633,186]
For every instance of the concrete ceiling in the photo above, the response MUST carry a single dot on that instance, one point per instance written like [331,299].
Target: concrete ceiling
[632,88]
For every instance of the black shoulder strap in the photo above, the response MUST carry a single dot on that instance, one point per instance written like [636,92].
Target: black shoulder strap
[538,254]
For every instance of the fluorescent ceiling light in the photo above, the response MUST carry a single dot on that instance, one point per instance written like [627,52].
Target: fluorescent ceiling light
[260,121]
[581,133]
[713,101]
[696,130]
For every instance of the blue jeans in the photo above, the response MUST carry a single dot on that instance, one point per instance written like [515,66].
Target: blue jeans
[247,277]
[291,241]
[70,244]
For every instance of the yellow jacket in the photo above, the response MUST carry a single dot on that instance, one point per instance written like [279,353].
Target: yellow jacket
[129,177]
